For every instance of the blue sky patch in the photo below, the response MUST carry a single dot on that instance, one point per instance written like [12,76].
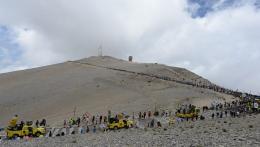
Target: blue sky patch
[203,7]
[9,50]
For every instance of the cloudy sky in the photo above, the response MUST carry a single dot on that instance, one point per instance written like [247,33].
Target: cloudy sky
[217,39]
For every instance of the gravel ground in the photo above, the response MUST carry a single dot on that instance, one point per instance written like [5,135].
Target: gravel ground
[244,131]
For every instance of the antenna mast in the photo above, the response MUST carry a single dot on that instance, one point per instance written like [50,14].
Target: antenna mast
[100,50]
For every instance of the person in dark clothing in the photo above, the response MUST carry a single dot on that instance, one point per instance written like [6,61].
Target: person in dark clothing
[149,114]
[205,108]
[78,121]
[62,134]
[226,113]
[197,117]
[184,111]
[20,126]
[159,124]
[212,115]
[50,134]
[233,114]
[87,130]
[100,119]
[93,119]
[105,119]
[221,114]
[152,123]
[43,122]
[144,115]
[37,123]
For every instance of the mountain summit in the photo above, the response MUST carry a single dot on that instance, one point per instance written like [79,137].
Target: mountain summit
[98,84]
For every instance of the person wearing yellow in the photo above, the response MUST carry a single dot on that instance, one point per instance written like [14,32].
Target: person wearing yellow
[171,121]
[13,121]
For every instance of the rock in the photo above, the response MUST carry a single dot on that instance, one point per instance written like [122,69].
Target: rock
[224,130]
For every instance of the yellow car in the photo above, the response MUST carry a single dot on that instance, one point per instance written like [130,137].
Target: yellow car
[189,115]
[118,124]
[26,131]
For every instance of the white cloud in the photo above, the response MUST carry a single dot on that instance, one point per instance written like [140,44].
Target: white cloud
[38,49]
[223,46]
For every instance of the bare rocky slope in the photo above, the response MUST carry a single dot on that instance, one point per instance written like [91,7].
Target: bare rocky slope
[95,85]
